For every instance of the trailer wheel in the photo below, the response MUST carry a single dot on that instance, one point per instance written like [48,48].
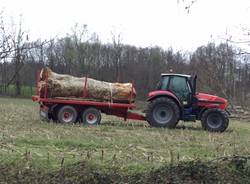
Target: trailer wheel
[214,120]
[44,113]
[163,112]
[43,116]
[53,112]
[67,114]
[91,116]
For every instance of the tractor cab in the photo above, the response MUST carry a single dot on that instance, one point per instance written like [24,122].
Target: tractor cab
[182,86]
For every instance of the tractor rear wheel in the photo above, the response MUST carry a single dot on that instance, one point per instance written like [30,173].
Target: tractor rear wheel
[163,112]
[214,120]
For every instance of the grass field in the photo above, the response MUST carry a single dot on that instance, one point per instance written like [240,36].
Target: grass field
[26,91]
[130,147]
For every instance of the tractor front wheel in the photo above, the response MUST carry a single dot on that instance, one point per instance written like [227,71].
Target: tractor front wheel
[163,112]
[214,120]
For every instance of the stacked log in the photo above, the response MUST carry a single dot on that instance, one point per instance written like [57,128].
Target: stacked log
[60,85]
[239,113]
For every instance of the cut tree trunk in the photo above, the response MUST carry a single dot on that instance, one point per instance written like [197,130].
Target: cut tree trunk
[59,85]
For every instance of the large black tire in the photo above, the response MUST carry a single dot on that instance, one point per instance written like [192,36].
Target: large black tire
[67,114]
[163,112]
[91,116]
[214,120]
[53,112]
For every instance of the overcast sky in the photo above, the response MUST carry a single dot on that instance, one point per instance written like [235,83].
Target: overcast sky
[140,22]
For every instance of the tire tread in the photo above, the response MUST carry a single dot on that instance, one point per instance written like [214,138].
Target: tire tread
[215,110]
[163,100]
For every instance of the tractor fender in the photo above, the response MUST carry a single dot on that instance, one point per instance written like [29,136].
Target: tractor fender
[209,107]
[201,112]
[160,93]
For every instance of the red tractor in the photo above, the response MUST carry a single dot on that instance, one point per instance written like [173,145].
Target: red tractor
[176,99]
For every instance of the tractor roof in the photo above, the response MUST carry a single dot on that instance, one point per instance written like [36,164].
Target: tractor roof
[175,74]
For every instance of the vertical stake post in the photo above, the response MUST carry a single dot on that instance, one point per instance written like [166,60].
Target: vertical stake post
[46,85]
[37,81]
[85,87]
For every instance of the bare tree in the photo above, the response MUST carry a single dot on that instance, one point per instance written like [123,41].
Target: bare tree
[20,46]
[187,4]
[117,46]
[5,38]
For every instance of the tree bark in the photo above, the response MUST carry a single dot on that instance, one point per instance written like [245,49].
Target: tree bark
[59,85]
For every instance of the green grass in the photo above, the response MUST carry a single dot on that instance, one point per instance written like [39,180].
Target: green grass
[26,91]
[132,145]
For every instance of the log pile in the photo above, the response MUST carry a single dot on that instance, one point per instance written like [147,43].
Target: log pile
[67,86]
[239,113]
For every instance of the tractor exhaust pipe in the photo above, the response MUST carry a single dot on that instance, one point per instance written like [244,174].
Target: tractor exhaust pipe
[194,85]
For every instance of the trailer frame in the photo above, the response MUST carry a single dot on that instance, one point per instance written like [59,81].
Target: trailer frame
[49,107]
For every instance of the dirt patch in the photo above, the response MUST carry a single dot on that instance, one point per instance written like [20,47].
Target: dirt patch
[224,170]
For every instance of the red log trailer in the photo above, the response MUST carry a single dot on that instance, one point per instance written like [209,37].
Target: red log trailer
[70,110]
[174,99]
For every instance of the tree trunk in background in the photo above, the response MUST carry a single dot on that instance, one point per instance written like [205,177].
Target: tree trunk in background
[17,75]
[68,86]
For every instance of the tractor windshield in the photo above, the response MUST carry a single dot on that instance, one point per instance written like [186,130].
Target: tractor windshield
[163,84]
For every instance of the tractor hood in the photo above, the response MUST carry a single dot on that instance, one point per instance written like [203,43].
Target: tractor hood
[207,100]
